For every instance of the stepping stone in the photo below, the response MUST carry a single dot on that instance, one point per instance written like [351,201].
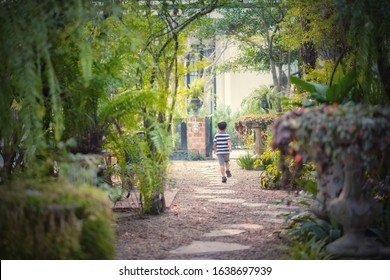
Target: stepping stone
[224,232]
[273,213]
[219,183]
[219,186]
[214,191]
[246,226]
[205,196]
[270,214]
[274,220]
[197,247]
[255,205]
[228,200]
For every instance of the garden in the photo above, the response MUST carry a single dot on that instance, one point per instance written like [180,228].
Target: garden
[91,92]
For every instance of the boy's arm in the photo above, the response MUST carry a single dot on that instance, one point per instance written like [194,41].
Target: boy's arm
[230,145]
[215,147]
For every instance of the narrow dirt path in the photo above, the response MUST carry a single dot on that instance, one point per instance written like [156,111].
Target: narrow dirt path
[209,219]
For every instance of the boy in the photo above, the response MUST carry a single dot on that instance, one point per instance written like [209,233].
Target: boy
[223,148]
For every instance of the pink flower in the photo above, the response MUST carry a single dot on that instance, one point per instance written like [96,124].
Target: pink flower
[298,158]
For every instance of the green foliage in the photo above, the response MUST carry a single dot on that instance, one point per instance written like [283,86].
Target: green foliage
[161,142]
[261,101]
[271,174]
[270,178]
[332,29]
[225,113]
[311,249]
[246,162]
[31,79]
[310,235]
[310,21]
[54,220]
[269,157]
[151,169]
[254,31]
[340,92]
[380,190]
[282,173]
[196,89]
[367,22]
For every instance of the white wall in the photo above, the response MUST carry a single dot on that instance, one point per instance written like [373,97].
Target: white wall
[232,88]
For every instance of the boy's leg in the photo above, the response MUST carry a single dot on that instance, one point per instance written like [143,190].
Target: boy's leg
[221,164]
[222,167]
[227,165]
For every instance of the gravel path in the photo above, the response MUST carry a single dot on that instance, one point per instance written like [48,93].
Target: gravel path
[208,219]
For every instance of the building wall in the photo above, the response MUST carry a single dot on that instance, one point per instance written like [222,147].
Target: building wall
[232,88]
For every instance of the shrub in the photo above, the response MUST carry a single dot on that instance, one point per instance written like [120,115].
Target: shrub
[310,235]
[246,162]
[269,157]
[54,220]
[269,160]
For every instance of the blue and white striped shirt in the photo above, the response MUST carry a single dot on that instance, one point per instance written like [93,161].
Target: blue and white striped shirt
[221,139]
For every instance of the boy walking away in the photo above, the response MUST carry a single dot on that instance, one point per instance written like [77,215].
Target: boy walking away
[223,148]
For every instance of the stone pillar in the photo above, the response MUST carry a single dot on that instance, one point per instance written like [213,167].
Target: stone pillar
[259,146]
[196,135]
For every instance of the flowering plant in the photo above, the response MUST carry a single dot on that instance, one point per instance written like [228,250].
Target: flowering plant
[323,133]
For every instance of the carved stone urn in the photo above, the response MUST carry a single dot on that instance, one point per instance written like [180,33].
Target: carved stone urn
[260,125]
[291,137]
[355,213]
[330,183]
[346,143]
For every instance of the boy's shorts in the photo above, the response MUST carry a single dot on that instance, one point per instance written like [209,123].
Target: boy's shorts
[222,159]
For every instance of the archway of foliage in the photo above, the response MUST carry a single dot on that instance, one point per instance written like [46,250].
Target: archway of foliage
[78,74]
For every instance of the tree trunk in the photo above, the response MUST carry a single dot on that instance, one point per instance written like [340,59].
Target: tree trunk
[289,71]
[280,70]
[308,53]
[272,63]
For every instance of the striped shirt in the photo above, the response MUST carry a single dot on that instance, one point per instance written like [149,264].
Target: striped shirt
[221,140]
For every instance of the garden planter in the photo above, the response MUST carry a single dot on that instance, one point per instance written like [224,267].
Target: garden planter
[346,143]
[354,212]
[196,103]
[329,185]
[260,125]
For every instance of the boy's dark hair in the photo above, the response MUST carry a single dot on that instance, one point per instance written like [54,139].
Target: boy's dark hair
[222,125]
